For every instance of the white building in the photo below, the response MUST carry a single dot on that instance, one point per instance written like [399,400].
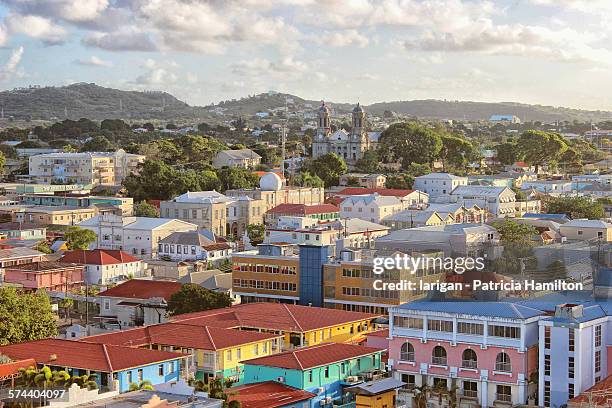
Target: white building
[95,168]
[439,184]
[372,207]
[135,235]
[244,158]
[104,266]
[194,246]
[499,201]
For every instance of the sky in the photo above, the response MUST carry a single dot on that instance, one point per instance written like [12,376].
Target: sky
[550,52]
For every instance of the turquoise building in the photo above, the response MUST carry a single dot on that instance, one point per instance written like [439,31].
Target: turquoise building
[323,370]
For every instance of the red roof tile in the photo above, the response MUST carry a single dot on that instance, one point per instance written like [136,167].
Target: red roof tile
[9,370]
[395,192]
[273,316]
[85,355]
[597,396]
[267,394]
[143,289]
[379,333]
[303,209]
[181,335]
[313,356]
[98,257]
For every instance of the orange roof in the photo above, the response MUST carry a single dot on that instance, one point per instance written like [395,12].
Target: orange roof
[84,355]
[98,257]
[601,394]
[267,394]
[273,316]
[181,335]
[313,356]
[303,209]
[143,289]
[395,192]
[9,370]
[379,333]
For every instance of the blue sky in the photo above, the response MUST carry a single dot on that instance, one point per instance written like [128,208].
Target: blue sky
[553,52]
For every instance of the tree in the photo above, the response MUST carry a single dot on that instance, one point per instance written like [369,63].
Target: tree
[79,238]
[328,168]
[155,180]
[256,233]
[456,152]
[236,177]
[66,304]
[508,153]
[574,207]
[539,148]
[25,316]
[306,179]
[115,125]
[143,385]
[98,144]
[369,162]
[514,232]
[195,298]
[410,142]
[402,181]
[144,209]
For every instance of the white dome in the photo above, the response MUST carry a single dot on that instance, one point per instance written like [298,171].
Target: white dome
[270,182]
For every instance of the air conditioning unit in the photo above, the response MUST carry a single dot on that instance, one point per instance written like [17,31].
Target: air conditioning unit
[281,379]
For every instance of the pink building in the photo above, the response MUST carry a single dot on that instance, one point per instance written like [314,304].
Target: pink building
[487,351]
[51,276]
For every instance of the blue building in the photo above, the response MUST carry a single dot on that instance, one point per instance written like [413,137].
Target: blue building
[115,367]
[312,259]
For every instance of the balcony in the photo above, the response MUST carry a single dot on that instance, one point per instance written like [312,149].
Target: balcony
[441,361]
[473,364]
[503,367]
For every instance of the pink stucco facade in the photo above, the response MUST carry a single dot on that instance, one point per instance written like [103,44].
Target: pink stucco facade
[56,278]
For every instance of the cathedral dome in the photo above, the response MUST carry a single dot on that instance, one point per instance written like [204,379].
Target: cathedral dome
[270,182]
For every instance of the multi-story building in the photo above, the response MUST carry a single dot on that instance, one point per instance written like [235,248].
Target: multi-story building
[95,168]
[499,201]
[487,351]
[585,230]
[373,207]
[104,266]
[134,235]
[52,215]
[45,275]
[348,145]
[324,369]
[409,198]
[244,158]
[363,180]
[319,212]
[125,204]
[439,184]
[194,246]
[16,230]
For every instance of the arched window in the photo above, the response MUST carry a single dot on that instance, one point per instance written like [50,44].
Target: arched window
[469,359]
[502,362]
[407,352]
[438,356]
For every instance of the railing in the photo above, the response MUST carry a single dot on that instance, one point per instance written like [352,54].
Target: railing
[438,361]
[470,393]
[408,356]
[469,363]
[505,367]
[503,397]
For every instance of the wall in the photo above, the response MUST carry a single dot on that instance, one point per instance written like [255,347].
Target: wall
[150,373]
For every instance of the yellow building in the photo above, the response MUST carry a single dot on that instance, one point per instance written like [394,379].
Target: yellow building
[376,394]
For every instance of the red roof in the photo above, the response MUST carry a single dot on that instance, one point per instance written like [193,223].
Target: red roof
[181,335]
[395,192]
[143,289]
[267,394]
[273,316]
[379,333]
[303,209]
[86,356]
[313,356]
[98,257]
[10,370]
[598,395]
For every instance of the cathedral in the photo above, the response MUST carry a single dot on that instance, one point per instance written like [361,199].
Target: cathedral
[348,145]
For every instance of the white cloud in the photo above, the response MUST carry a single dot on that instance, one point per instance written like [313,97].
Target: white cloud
[36,27]
[94,61]
[259,66]
[10,69]
[157,74]
[369,77]
[342,38]
[123,40]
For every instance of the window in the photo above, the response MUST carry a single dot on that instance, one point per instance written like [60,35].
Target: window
[470,389]
[229,355]
[502,363]
[469,359]
[160,370]
[598,336]
[256,349]
[570,367]
[598,361]
[470,328]
[129,377]
[547,337]
[310,376]
[571,342]
[326,372]
[505,331]
[438,356]
[238,354]
[140,375]
[106,304]
[547,364]
[407,352]
[409,379]
[547,393]
[570,390]
[408,322]
[504,393]
[170,368]
[440,325]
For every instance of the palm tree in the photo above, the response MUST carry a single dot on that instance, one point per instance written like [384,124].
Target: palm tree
[143,385]
[420,396]
[85,381]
